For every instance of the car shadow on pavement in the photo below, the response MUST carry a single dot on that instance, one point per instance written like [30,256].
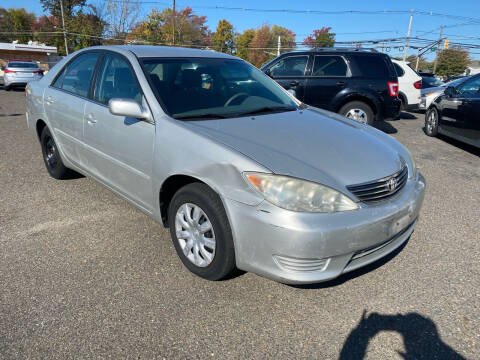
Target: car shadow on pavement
[384,126]
[407,116]
[356,273]
[420,337]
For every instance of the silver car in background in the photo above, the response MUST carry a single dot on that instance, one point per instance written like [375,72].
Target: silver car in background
[242,173]
[19,73]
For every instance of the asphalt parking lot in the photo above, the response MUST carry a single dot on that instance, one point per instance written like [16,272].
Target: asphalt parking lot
[85,275]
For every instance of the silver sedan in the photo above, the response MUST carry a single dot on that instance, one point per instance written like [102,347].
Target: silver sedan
[19,73]
[243,174]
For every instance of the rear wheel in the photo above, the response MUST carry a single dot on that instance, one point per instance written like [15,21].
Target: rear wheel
[431,122]
[201,232]
[7,88]
[358,111]
[51,156]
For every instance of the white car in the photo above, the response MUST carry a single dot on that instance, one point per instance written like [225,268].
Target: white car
[409,83]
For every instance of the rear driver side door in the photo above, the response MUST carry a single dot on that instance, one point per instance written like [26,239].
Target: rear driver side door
[118,149]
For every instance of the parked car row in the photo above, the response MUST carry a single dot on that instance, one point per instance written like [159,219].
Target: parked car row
[243,173]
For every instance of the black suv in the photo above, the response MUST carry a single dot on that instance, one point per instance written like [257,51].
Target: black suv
[357,83]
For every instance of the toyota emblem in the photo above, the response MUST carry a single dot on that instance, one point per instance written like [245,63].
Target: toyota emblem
[392,184]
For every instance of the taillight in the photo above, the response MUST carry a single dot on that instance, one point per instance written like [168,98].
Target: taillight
[393,88]
[6,71]
[418,84]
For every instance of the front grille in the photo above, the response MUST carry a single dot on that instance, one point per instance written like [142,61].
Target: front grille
[380,189]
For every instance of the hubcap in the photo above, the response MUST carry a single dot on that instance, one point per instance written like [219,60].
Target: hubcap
[431,122]
[357,115]
[50,152]
[195,234]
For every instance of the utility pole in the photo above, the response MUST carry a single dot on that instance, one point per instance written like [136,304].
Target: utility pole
[173,22]
[438,50]
[408,35]
[63,25]
[278,45]
[418,59]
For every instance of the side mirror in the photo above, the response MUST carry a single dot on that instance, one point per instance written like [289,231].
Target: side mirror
[128,108]
[2,68]
[449,91]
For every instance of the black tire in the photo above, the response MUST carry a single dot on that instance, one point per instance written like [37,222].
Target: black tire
[431,122]
[51,156]
[223,263]
[403,104]
[360,105]
[7,88]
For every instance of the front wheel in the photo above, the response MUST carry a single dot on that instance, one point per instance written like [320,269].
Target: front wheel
[431,122]
[51,156]
[201,232]
[358,111]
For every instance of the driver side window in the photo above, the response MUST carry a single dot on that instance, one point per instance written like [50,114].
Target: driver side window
[470,87]
[290,66]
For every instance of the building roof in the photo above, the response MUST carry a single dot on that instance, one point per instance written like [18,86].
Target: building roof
[30,47]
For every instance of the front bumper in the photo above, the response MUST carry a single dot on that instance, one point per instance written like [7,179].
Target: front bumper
[301,248]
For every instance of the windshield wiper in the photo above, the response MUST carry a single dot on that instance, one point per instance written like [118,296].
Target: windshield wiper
[267,109]
[200,116]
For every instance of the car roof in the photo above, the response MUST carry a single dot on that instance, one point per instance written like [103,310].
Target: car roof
[165,51]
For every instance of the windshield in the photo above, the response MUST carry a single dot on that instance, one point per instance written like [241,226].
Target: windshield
[455,82]
[431,81]
[203,88]
[26,65]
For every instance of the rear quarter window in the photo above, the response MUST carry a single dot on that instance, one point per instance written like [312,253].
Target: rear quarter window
[374,66]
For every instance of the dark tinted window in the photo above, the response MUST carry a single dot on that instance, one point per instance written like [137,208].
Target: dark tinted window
[116,80]
[326,65]
[372,66]
[79,73]
[26,65]
[398,69]
[290,66]
[470,87]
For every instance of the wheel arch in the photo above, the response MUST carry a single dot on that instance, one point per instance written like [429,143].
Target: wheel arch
[357,97]
[39,126]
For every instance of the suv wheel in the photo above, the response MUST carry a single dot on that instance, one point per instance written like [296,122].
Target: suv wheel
[201,232]
[431,122]
[358,111]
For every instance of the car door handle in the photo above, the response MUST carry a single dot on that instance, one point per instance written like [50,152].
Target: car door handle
[341,83]
[91,120]
[294,83]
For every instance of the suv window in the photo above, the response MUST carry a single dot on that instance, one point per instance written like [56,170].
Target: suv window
[371,66]
[290,66]
[470,87]
[399,70]
[329,65]
[78,74]
[116,80]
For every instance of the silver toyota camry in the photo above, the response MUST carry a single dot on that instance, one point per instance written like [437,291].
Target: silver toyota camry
[243,174]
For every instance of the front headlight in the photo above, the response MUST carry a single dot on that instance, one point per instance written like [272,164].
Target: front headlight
[299,195]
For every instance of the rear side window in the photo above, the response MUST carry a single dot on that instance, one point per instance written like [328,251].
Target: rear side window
[78,74]
[326,65]
[290,66]
[372,66]
[116,80]
[399,70]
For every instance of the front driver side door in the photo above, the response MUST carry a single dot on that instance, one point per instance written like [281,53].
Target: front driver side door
[119,150]
[470,91]
[290,72]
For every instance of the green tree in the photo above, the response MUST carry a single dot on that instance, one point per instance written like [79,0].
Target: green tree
[242,42]
[224,38]
[15,24]
[452,62]
[320,38]
[190,29]
[423,64]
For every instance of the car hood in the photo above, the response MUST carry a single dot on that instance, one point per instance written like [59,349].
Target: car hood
[312,144]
